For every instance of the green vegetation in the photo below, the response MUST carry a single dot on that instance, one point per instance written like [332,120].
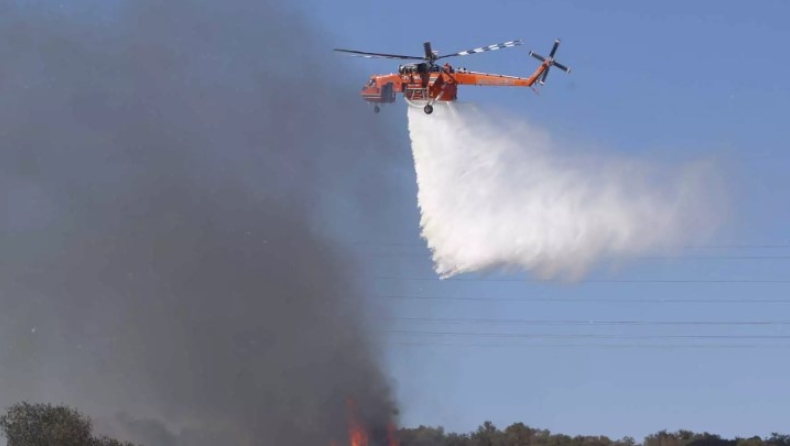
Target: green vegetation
[519,434]
[26,424]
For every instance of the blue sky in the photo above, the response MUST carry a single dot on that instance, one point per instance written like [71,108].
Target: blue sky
[678,79]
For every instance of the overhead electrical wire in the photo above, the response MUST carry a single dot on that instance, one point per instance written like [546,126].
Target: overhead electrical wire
[680,341]
[423,336]
[590,322]
[588,346]
[586,335]
[678,257]
[697,247]
[532,299]
[527,280]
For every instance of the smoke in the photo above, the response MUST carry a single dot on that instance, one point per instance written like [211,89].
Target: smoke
[496,192]
[171,173]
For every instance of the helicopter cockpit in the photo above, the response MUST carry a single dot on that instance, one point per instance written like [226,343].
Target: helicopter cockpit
[419,68]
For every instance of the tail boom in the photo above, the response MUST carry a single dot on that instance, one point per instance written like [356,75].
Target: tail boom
[539,75]
[501,80]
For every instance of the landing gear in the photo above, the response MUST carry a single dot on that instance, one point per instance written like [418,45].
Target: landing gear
[428,109]
[376,109]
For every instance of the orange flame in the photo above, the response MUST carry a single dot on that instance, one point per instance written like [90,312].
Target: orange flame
[392,439]
[356,431]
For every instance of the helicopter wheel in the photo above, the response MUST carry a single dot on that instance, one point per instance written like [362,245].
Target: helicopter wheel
[428,109]
[376,109]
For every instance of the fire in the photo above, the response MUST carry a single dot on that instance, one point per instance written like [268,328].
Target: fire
[357,433]
[392,439]
[358,437]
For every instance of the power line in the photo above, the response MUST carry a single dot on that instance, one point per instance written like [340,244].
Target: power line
[580,322]
[527,280]
[712,246]
[553,345]
[556,341]
[527,299]
[646,257]
[585,335]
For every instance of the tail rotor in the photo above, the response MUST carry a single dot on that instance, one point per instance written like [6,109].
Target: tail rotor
[549,62]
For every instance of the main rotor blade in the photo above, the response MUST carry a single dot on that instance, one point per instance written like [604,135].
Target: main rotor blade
[483,49]
[378,55]
[554,48]
[561,67]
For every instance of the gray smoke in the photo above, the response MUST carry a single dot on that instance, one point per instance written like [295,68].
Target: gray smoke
[169,173]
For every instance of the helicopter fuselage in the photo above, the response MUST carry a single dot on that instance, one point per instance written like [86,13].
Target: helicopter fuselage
[417,82]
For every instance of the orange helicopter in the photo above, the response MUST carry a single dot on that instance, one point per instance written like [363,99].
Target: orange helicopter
[426,82]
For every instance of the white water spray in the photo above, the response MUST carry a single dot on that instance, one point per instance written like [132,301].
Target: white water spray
[497,193]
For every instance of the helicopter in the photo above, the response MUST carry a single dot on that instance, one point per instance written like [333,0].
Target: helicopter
[424,83]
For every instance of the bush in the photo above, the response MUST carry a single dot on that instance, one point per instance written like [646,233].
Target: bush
[26,424]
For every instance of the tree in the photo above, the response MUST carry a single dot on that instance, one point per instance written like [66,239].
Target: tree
[26,424]
[519,434]
[777,439]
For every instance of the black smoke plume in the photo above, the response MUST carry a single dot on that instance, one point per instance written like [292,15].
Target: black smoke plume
[170,171]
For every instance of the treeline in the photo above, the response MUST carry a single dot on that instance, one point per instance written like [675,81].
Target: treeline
[519,434]
[26,424]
